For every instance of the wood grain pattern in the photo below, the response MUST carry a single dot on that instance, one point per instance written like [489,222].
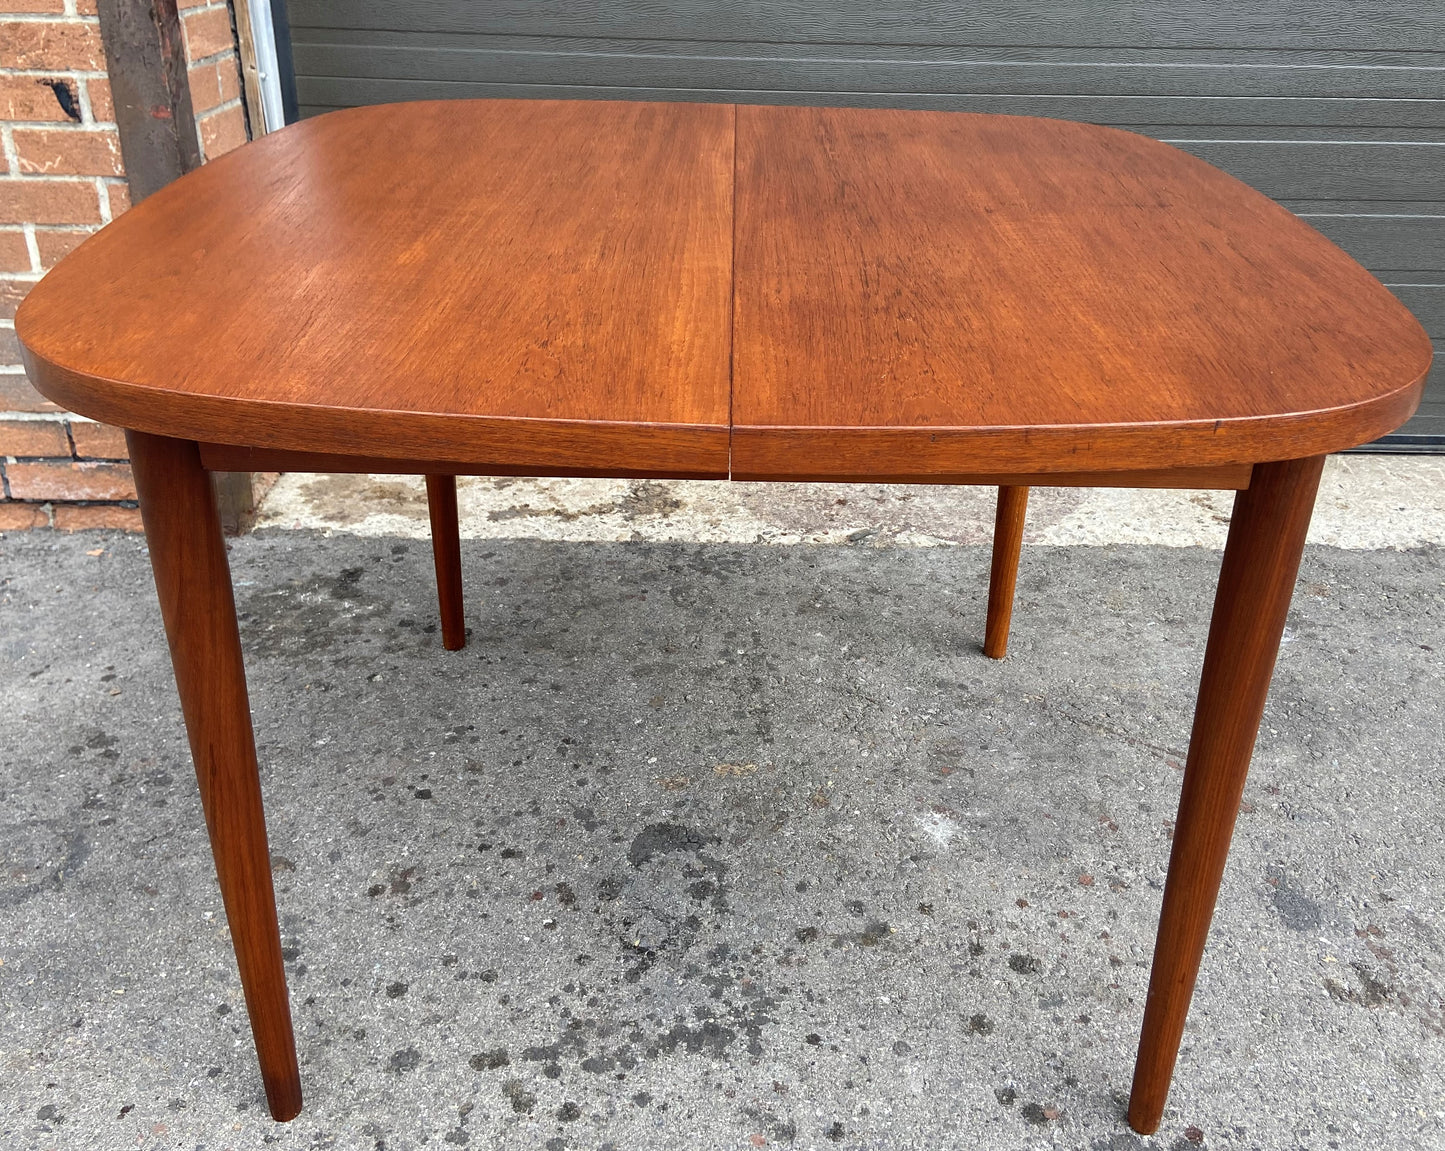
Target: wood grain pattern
[193,583]
[446,547]
[923,293]
[540,282]
[917,296]
[230,457]
[1256,581]
[505,459]
[1008,539]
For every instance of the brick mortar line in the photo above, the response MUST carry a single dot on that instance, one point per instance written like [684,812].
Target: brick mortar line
[66,125]
[46,418]
[213,58]
[73,458]
[32,246]
[56,501]
[55,73]
[51,178]
[87,113]
[7,145]
[233,102]
[49,18]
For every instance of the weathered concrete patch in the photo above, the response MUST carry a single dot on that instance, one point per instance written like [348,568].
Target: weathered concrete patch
[1365,502]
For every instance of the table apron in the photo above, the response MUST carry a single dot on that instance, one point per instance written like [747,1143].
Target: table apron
[236,458]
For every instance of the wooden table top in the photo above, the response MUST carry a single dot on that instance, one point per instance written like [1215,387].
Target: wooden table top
[673,289]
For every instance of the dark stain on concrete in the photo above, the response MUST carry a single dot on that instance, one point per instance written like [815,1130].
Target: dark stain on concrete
[642,498]
[77,851]
[349,499]
[779,1128]
[316,613]
[664,838]
[1038,1114]
[521,1099]
[1298,911]
[490,1060]
[1372,991]
[406,1059]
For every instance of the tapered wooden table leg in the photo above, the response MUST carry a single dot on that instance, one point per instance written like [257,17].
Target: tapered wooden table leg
[1008,539]
[193,581]
[1256,581]
[446,546]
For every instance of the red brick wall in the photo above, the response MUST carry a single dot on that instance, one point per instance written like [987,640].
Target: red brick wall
[215,72]
[61,177]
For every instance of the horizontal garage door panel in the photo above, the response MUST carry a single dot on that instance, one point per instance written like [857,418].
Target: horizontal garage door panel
[1337,109]
[1387,244]
[1430,419]
[1382,25]
[823,70]
[1299,170]
[1427,301]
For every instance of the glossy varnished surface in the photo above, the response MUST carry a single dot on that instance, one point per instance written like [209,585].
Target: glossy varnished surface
[600,288]
[519,281]
[193,584]
[1256,582]
[934,292]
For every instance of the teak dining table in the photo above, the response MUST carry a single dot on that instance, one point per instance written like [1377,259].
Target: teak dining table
[585,288]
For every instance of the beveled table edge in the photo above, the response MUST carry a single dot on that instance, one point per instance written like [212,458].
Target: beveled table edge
[899,454]
[520,445]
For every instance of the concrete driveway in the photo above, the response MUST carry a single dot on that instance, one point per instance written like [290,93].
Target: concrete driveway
[714,843]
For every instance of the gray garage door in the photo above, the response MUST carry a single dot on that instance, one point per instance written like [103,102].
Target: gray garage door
[1336,108]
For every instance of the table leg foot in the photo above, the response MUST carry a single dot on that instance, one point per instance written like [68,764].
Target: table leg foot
[1008,538]
[446,544]
[1256,581]
[193,581]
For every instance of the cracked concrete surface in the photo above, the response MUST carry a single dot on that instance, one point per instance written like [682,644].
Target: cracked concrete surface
[718,845]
